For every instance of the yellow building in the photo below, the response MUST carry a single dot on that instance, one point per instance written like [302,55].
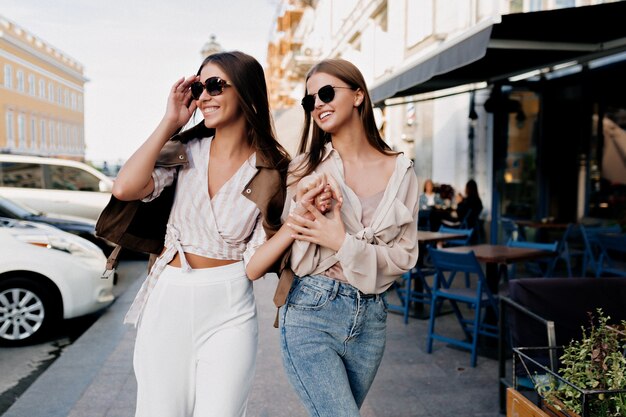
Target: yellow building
[41,97]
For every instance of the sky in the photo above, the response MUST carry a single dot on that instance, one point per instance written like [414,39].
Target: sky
[133,51]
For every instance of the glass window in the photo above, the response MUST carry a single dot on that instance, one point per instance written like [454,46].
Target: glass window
[21,175]
[53,144]
[51,92]
[31,84]
[516,6]
[21,131]
[419,21]
[560,4]
[20,81]
[33,133]
[42,129]
[535,5]
[519,196]
[59,135]
[70,178]
[10,131]
[8,76]
[42,88]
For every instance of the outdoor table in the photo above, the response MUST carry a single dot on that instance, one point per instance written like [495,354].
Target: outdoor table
[424,237]
[495,255]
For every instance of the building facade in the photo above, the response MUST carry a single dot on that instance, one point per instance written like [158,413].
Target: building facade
[42,97]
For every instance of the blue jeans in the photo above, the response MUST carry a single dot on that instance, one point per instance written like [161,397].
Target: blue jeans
[332,341]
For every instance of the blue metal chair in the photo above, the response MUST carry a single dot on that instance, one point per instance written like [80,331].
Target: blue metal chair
[458,242]
[408,295]
[592,248]
[511,230]
[571,247]
[611,244]
[535,266]
[480,298]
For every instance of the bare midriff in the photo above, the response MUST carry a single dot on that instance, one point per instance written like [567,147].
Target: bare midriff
[197,261]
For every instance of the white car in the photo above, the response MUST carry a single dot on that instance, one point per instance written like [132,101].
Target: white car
[46,275]
[53,185]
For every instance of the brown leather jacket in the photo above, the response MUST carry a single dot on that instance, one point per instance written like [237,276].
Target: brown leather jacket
[141,226]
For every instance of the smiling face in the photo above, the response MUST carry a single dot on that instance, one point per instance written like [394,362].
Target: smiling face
[219,110]
[332,116]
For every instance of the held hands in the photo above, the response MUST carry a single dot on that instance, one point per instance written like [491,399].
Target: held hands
[321,230]
[314,194]
[180,104]
[329,190]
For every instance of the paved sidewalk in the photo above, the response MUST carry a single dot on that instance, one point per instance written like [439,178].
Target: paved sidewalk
[94,377]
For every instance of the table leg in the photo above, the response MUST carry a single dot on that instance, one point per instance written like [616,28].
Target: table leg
[493,280]
[418,308]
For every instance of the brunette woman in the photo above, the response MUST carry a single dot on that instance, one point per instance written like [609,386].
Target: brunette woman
[197,325]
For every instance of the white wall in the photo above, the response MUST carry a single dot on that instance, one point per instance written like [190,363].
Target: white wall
[450,144]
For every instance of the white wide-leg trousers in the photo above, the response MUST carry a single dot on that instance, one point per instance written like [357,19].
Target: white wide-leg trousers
[195,352]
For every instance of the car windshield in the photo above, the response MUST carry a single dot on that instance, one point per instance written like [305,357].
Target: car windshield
[15,209]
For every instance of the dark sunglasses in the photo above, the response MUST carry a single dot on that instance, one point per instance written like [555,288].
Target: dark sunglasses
[213,85]
[326,94]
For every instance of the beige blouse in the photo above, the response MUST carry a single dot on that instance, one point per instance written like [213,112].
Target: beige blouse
[368,206]
[372,257]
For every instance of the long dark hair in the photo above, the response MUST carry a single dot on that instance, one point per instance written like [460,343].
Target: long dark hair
[471,189]
[247,76]
[350,74]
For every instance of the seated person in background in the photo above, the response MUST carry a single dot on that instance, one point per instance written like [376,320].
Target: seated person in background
[429,197]
[469,207]
[442,208]
[428,200]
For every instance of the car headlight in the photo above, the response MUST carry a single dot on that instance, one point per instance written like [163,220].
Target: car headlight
[75,246]
[52,238]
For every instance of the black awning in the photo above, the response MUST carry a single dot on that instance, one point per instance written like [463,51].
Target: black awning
[520,43]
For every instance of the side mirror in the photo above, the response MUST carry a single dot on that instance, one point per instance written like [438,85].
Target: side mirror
[105,186]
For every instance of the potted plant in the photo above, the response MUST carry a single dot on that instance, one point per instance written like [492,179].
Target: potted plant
[591,381]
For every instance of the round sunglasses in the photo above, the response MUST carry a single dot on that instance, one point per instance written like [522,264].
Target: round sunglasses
[326,94]
[213,85]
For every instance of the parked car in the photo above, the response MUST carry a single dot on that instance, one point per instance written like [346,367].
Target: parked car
[46,275]
[53,185]
[79,226]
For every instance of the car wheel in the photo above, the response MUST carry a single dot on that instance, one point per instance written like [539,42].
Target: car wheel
[27,311]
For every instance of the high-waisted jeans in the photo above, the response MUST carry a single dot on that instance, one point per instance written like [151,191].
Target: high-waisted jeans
[332,340]
[196,344]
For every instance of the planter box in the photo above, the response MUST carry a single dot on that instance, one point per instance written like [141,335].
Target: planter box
[519,406]
[540,365]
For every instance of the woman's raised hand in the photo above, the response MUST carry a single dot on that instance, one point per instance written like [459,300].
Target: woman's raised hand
[180,104]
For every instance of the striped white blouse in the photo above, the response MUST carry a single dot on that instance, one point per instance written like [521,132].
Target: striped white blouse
[227,226]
